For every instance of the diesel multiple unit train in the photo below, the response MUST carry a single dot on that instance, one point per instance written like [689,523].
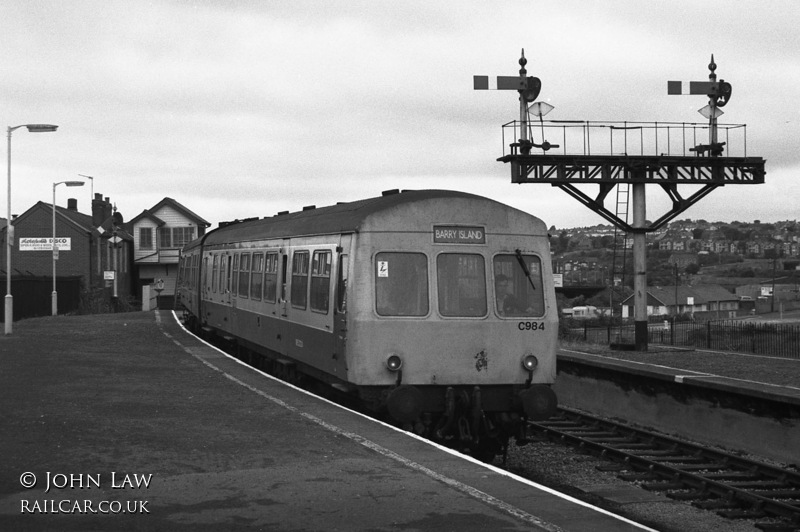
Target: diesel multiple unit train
[436,309]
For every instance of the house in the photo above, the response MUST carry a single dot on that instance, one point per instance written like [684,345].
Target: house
[93,262]
[671,300]
[682,259]
[159,233]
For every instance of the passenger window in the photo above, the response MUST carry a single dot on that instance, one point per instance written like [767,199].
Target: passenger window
[256,277]
[320,281]
[299,294]
[341,285]
[244,275]
[271,277]
[401,284]
[517,293]
[462,284]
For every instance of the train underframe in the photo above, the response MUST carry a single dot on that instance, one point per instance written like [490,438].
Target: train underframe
[475,419]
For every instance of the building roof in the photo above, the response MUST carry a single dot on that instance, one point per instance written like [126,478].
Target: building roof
[169,202]
[146,214]
[82,221]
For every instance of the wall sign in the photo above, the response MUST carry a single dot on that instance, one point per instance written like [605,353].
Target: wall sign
[44,243]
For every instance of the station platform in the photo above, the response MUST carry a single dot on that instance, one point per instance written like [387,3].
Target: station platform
[126,421]
[741,402]
[773,378]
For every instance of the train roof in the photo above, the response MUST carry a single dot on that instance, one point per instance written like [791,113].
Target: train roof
[335,219]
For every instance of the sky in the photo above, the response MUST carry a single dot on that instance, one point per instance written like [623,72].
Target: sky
[246,108]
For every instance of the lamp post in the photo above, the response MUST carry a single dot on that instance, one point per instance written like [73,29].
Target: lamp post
[55,245]
[9,301]
[91,192]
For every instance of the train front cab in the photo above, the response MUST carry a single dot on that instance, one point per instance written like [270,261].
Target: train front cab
[455,330]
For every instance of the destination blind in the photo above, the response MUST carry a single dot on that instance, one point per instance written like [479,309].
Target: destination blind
[459,234]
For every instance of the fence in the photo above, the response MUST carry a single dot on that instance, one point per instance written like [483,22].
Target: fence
[729,335]
[772,339]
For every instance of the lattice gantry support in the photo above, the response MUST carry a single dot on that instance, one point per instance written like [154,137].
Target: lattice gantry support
[709,166]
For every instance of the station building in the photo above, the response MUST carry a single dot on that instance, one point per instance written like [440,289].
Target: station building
[102,263]
[93,261]
[159,233]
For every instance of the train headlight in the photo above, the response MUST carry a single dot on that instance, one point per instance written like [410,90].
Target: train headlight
[394,363]
[530,362]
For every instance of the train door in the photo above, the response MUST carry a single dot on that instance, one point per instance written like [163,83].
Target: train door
[281,304]
[228,273]
[283,281]
[340,299]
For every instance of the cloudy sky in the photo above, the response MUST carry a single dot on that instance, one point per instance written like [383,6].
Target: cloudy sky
[247,108]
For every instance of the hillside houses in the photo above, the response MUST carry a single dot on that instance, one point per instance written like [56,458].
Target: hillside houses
[672,300]
[751,240]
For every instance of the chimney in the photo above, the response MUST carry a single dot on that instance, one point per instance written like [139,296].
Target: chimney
[97,210]
[107,209]
[72,204]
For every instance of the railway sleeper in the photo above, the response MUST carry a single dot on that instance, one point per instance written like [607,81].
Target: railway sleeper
[742,514]
[728,475]
[691,495]
[758,484]
[716,504]
[589,432]
[636,477]
[657,455]
[636,446]
[786,493]
[617,442]
[699,467]
[612,467]
[773,526]
[663,486]
[683,459]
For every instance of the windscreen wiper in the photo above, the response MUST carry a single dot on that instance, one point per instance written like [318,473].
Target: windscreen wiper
[524,267]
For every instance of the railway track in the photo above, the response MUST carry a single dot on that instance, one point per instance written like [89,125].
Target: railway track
[732,486]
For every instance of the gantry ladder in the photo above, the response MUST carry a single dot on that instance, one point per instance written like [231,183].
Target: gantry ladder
[618,263]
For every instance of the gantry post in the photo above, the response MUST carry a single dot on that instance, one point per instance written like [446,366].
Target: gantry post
[639,267]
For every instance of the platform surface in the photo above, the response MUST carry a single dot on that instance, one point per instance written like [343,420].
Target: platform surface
[127,422]
[773,378]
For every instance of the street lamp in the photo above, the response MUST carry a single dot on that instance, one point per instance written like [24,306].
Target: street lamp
[9,308]
[55,246]
[91,192]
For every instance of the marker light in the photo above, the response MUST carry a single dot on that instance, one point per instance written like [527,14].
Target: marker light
[394,363]
[530,362]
